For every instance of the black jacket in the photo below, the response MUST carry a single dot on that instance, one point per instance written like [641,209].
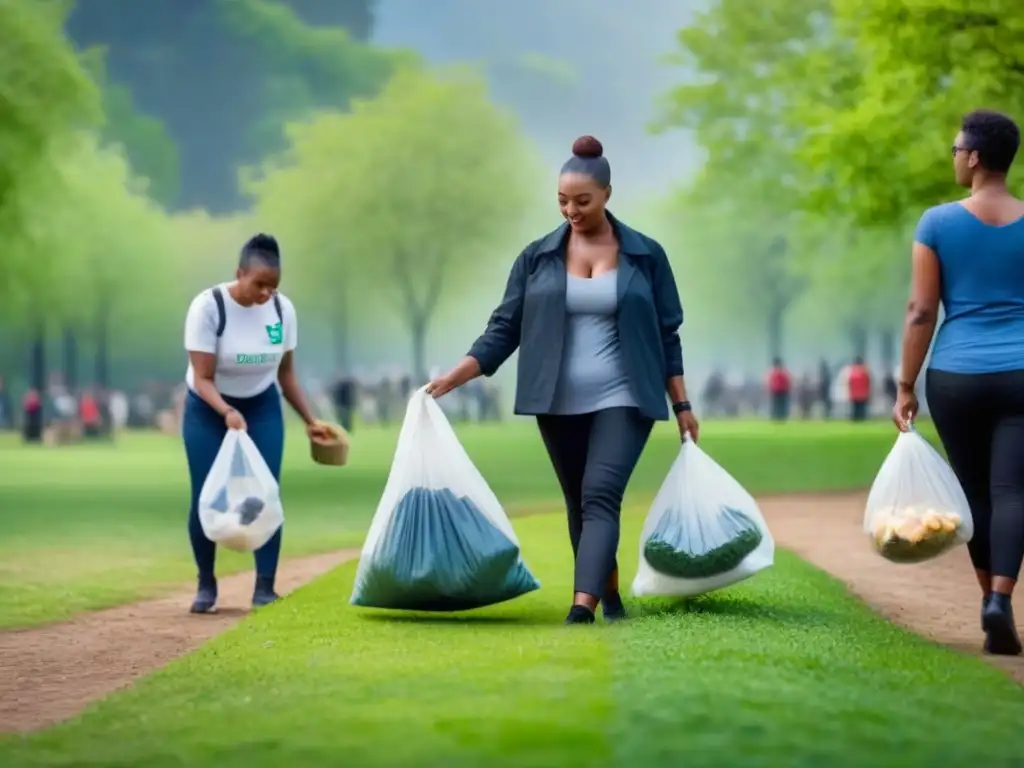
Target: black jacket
[531,316]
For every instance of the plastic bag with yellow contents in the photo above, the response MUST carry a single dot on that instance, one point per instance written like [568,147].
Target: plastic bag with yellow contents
[916,509]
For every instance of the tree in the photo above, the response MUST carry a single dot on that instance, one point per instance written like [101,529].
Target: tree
[119,258]
[922,63]
[415,188]
[223,75]
[745,258]
[45,94]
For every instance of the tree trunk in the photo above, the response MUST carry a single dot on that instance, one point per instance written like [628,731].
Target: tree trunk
[37,358]
[858,341]
[341,336]
[102,332]
[887,344]
[70,360]
[775,318]
[418,328]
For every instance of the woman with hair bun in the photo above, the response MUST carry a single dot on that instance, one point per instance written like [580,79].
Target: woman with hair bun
[595,313]
[241,338]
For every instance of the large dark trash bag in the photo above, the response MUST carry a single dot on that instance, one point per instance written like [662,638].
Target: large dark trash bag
[676,548]
[440,553]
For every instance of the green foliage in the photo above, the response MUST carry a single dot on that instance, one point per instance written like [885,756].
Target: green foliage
[150,149]
[922,65]
[45,94]
[223,76]
[403,201]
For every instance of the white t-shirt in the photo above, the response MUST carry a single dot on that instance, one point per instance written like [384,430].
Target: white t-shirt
[252,346]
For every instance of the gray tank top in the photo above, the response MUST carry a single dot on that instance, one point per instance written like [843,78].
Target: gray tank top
[592,376]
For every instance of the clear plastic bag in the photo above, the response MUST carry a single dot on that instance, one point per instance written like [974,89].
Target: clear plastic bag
[702,533]
[439,540]
[916,509]
[240,504]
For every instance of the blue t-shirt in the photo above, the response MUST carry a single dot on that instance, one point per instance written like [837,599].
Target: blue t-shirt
[982,273]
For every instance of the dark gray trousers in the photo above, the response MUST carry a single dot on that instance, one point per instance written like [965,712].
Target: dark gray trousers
[594,455]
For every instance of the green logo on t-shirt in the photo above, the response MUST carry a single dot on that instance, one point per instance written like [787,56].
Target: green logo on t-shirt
[275,333]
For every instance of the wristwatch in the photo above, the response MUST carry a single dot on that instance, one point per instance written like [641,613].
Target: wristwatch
[681,407]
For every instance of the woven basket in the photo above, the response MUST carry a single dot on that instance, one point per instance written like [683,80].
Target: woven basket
[332,453]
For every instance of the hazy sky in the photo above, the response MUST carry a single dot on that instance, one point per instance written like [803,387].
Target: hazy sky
[601,73]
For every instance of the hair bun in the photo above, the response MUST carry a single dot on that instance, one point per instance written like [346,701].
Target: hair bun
[587,146]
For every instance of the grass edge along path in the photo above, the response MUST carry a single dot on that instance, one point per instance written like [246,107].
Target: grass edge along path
[787,668]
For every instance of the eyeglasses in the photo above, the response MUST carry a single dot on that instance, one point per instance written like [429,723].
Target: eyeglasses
[957,148]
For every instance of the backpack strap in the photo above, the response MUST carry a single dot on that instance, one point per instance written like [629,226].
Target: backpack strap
[222,315]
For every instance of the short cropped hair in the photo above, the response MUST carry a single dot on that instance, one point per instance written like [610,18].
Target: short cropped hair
[260,249]
[994,136]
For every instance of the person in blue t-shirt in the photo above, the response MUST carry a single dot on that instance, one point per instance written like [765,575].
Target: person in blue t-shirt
[969,255]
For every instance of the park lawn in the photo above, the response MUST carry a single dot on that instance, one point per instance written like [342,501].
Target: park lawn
[784,669]
[91,526]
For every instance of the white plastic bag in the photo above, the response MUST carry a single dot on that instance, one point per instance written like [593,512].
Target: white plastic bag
[440,539]
[240,504]
[702,533]
[916,509]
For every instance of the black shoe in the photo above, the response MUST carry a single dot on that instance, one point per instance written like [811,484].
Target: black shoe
[580,614]
[264,593]
[206,597]
[1001,636]
[612,608]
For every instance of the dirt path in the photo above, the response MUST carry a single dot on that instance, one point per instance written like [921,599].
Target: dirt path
[48,674]
[938,599]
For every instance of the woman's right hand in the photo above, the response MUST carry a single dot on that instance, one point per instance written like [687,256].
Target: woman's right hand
[905,409]
[442,385]
[234,420]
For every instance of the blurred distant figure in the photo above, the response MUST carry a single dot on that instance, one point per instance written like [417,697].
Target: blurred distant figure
[859,384]
[143,412]
[714,393]
[6,407]
[32,416]
[780,388]
[117,405]
[806,395]
[89,415]
[890,388]
[343,396]
[825,389]
[751,394]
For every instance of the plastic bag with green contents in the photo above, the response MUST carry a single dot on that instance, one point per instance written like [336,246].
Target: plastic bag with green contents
[702,533]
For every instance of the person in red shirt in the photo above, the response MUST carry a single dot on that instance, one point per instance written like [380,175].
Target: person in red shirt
[780,388]
[89,413]
[32,424]
[859,384]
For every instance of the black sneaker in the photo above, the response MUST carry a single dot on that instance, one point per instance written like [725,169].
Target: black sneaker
[580,614]
[612,608]
[1001,636]
[206,598]
[264,593]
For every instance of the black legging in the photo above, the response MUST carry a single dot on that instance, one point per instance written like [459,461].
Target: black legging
[980,420]
[594,455]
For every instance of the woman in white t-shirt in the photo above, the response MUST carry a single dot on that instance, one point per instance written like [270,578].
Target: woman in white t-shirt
[240,338]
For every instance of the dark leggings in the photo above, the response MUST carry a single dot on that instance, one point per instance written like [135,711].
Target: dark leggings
[204,430]
[594,455]
[980,420]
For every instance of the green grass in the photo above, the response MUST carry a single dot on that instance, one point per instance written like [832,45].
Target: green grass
[91,526]
[785,669]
